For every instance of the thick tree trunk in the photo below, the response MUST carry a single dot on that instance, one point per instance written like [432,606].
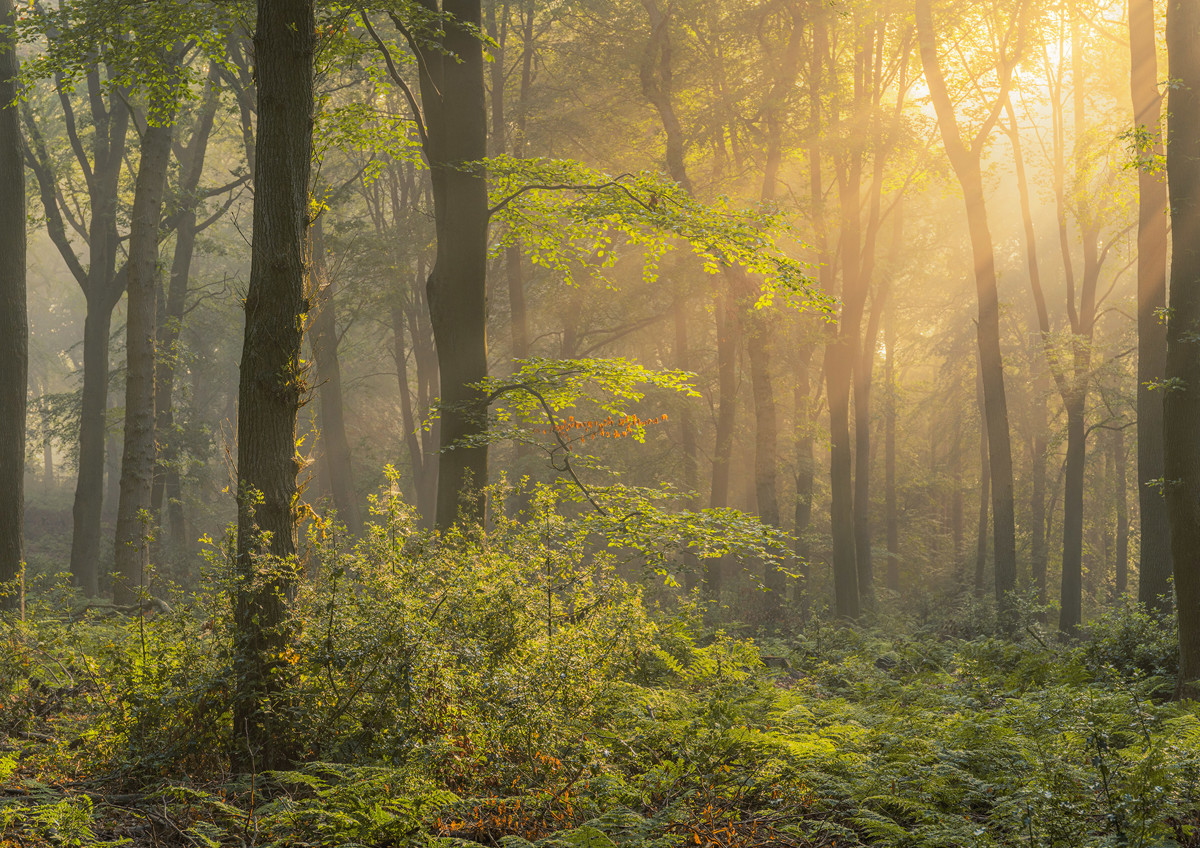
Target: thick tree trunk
[14,327]
[1181,405]
[1155,569]
[270,386]
[452,94]
[324,341]
[134,523]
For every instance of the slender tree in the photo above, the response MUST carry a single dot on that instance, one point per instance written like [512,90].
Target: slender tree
[966,159]
[140,451]
[323,334]
[99,279]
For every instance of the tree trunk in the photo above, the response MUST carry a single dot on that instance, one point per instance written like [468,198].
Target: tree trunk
[805,471]
[167,477]
[1039,556]
[985,484]
[514,273]
[134,526]
[89,484]
[412,440]
[1121,486]
[728,342]
[270,386]
[687,436]
[14,327]
[968,169]
[1071,598]
[102,289]
[766,455]
[1181,405]
[1155,570]
[324,341]
[1075,399]
[452,95]
[891,517]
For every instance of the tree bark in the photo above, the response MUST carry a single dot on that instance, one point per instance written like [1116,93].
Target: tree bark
[455,114]
[14,327]
[1154,590]
[324,341]
[134,525]
[1181,404]
[270,386]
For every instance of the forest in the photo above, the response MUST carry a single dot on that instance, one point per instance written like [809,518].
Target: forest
[581,424]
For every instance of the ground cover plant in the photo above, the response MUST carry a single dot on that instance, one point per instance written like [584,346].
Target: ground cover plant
[512,689]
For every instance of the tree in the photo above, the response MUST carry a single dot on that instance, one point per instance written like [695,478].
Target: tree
[140,454]
[14,329]
[67,30]
[172,307]
[1155,558]
[452,121]
[966,159]
[324,340]
[270,386]
[1181,403]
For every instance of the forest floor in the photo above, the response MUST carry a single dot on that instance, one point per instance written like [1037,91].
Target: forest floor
[833,736]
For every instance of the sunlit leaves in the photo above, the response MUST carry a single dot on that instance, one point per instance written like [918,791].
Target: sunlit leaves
[575,220]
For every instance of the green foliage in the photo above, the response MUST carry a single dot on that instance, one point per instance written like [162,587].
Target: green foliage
[141,46]
[512,689]
[571,219]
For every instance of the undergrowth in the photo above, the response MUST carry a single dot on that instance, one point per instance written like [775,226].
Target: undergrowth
[512,689]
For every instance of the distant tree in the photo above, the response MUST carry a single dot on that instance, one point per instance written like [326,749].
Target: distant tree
[140,453]
[14,329]
[100,155]
[271,383]
[1181,404]
[966,157]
